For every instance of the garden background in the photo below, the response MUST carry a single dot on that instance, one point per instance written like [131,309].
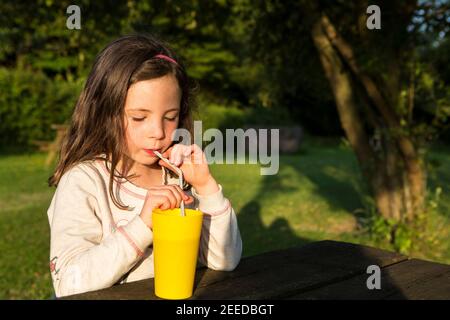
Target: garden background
[373,106]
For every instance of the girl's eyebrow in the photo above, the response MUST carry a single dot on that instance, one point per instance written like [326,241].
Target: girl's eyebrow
[148,110]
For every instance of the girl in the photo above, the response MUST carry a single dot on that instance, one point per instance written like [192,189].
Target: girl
[108,178]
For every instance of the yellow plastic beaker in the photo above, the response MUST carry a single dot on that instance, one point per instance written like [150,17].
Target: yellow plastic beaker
[176,242]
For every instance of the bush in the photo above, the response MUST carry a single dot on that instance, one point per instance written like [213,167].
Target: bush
[220,117]
[30,102]
[231,116]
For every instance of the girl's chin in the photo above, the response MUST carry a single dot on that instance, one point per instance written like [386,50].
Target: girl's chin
[146,160]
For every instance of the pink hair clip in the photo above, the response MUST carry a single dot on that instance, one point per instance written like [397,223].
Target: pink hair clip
[164,57]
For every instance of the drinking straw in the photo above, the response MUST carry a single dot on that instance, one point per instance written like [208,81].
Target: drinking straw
[180,177]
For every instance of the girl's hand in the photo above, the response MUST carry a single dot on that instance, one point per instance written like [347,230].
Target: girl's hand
[163,197]
[192,161]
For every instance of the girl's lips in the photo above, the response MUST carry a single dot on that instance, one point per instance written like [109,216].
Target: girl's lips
[150,151]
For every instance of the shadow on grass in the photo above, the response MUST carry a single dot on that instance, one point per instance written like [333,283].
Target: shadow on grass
[341,194]
[256,236]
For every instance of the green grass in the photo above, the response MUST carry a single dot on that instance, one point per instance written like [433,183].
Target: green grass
[24,243]
[316,195]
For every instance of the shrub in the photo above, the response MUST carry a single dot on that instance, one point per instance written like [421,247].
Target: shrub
[30,102]
[222,115]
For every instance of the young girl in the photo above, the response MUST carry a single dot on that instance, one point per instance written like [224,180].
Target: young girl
[108,178]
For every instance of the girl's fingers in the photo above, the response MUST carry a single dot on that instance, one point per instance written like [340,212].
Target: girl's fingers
[166,154]
[187,154]
[197,154]
[182,153]
[164,164]
[165,205]
[182,193]
[159,201]
[190,200]
[167,196]
[179,154]
[175,156]
[176,193]
[169,153]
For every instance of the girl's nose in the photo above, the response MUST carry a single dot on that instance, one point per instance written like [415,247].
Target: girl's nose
[156,130]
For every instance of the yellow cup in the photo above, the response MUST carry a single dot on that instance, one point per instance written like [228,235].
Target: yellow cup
[176,241]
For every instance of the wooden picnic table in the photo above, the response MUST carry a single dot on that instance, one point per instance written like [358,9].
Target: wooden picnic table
[52,147]
[319,270]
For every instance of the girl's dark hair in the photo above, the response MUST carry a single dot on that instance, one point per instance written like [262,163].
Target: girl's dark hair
[97,125]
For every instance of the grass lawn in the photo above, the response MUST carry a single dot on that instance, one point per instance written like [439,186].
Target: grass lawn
[316,195]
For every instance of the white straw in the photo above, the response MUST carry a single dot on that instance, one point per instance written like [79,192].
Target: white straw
[180,177]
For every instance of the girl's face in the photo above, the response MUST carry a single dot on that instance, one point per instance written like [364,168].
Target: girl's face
[152,110]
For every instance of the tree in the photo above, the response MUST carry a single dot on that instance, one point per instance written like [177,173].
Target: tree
[373,78]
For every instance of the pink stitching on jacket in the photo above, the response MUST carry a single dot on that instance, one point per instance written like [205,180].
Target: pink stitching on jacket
[121,186]
[125,234]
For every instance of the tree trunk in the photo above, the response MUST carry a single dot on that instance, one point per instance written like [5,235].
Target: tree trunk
[413,175]
[392,167]
[352,123]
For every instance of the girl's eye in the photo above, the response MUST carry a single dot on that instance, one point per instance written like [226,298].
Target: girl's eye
[138,119]
[170,119]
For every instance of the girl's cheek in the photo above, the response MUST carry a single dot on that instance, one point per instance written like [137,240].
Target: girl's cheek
[170,129]
[133,135]
[139,131]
